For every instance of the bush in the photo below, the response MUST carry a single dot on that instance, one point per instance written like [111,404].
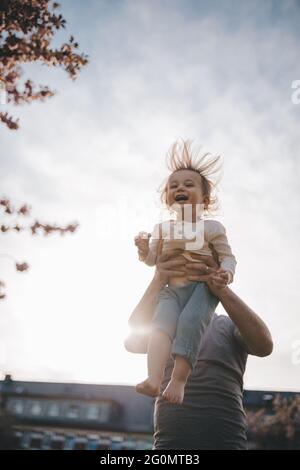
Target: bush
[278,430]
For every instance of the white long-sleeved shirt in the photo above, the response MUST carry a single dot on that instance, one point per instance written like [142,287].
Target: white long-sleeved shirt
[193,238]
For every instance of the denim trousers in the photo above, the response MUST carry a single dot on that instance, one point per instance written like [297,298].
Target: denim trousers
[183,313]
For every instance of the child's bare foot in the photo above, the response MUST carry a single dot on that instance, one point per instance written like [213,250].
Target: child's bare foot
[174,391]
[150,387]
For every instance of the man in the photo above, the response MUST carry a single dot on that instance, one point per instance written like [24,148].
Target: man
[211,415]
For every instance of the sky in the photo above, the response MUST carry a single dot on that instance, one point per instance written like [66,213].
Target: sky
[218,72]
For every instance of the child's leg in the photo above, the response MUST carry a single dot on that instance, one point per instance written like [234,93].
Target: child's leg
[174,391]
[192,323]
[159,349]
[159,346]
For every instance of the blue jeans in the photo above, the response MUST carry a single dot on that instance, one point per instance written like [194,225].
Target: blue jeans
[183,313]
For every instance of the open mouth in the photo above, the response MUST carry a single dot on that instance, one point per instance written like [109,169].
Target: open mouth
[181,197]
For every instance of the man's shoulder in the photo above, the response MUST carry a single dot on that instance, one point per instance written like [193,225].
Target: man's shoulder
[223,322]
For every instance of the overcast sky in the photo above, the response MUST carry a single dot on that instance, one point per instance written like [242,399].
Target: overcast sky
[219,72]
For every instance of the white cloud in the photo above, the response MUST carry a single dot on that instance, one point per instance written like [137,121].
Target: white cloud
[158,70]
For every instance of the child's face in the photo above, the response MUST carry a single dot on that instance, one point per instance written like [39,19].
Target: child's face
[184,187]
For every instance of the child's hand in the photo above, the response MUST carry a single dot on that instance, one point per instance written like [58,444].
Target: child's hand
[221,278]
[142,242]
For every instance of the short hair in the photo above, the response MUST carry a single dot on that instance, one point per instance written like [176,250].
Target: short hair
[181,157]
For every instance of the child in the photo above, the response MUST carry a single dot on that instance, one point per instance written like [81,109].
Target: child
[184,308]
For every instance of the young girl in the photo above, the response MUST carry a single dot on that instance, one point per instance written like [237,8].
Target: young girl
[184,308]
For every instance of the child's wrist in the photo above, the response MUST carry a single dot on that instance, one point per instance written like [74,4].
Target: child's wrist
[143,255]
[230,277]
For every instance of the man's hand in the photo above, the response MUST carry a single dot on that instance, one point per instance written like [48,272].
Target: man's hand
[202,269]
[170,264]
[221,278]
[142,243]
[219,288]
[207,270]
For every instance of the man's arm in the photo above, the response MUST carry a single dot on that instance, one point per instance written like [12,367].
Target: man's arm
[253,330]
[143,312]
[167,265]
[140,319]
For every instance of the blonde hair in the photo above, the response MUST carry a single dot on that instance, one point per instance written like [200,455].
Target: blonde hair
[181,157]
